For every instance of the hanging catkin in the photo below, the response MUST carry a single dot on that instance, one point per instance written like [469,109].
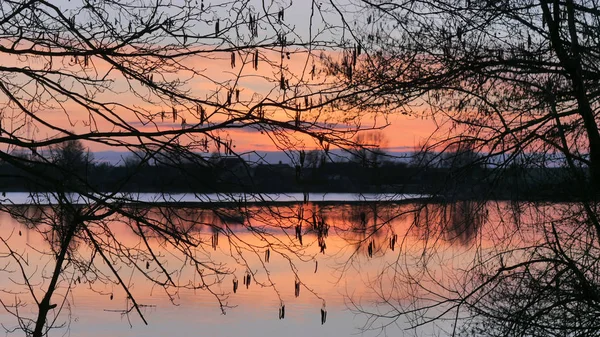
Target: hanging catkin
[323,313]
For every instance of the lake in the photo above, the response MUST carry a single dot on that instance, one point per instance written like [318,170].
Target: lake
[364,240]
[25,198]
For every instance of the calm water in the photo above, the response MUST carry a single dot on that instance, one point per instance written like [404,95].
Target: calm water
[25,198]
[348,273]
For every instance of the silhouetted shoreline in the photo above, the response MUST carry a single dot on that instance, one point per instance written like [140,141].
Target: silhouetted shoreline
[233,175]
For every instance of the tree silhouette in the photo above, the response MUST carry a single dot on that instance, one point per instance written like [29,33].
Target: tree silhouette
[506,80]
[169,82]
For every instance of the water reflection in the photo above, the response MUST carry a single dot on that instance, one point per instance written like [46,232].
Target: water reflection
[271,249]
[458,222]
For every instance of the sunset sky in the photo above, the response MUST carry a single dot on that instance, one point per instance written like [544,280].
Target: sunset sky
[214,77]
[403,132]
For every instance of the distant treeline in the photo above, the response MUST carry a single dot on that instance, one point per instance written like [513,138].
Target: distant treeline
[233,174]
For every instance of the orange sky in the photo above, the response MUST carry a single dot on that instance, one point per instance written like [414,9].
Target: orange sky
[402,133]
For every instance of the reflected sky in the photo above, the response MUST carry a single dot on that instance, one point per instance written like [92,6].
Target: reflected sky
[361,240]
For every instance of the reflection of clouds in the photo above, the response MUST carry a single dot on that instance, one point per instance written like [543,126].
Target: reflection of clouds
[357,224]
[355,230]
[204,222]
[345,268]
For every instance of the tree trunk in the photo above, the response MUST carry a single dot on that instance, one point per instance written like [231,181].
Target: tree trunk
[572,64]
[44,306]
